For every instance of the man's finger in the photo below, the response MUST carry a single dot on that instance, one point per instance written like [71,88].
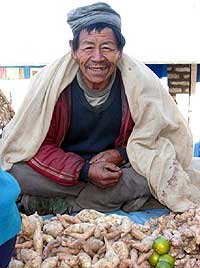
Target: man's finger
[95,158]
[111,167]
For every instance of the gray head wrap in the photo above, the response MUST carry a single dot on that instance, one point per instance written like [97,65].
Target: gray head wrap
[85,16]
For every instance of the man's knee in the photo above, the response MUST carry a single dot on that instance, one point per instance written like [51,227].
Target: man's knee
[135,181]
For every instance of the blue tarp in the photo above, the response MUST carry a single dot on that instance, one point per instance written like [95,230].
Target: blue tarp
[139,217]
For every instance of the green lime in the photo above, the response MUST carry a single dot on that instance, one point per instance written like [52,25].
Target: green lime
[163,264]
[153,259]
[161,245]
[167,258]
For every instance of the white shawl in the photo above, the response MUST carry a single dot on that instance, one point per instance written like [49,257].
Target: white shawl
[159,148]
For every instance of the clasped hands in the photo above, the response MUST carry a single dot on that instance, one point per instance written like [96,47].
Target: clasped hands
[104,168]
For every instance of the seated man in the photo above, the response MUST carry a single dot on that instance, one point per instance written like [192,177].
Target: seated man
[97,129]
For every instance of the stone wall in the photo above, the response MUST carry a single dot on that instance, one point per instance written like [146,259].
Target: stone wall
[181,78]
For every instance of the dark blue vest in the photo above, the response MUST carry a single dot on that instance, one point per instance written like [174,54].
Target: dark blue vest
[93,129]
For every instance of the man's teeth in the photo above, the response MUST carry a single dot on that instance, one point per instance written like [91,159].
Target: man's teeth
[97,68]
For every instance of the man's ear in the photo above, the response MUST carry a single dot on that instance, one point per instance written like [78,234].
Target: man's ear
[120,55]
[72,51]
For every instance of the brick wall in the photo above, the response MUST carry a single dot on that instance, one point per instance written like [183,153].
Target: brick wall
[181,78]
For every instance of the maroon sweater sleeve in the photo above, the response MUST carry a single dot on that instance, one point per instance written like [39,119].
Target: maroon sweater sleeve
[50,160]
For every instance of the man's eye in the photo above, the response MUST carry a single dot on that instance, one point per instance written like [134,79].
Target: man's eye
[88,48]
[106,48]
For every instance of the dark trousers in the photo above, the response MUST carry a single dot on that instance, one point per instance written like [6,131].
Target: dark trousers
[7,250]
[129,194]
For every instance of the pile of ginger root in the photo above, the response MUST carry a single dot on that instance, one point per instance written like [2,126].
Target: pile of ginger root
[92,239]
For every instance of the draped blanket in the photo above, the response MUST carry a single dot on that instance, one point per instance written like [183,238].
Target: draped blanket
[159,148]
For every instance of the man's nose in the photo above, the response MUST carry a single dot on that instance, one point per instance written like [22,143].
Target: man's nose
[97,54]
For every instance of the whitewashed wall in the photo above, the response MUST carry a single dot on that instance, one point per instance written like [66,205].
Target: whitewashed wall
[157,31]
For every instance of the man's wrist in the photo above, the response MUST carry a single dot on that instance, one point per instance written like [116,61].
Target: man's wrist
[84,172]
[123,153]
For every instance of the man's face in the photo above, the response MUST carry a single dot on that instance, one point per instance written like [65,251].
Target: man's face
[97,56]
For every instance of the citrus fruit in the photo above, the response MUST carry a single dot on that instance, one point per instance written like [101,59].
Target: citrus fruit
[161,245]
[163,264]
[167,258]
[153,259]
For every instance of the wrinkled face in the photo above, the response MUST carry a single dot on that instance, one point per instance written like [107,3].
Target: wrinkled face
[97,56]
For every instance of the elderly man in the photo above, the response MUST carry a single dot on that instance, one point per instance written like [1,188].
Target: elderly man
[68,145]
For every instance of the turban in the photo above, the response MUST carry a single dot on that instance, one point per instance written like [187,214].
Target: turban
[100,12]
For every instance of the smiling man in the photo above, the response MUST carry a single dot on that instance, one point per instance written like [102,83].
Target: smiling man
[83,160]
[97,56]
[96,128]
